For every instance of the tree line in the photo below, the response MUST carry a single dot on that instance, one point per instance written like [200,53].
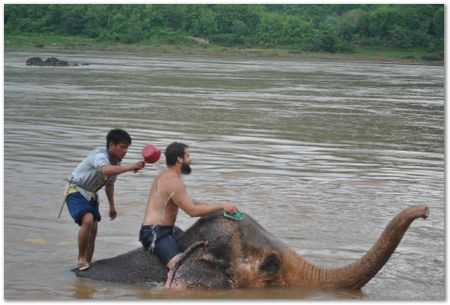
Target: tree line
[304,27]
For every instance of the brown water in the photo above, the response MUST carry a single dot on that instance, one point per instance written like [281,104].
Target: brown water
[322,153]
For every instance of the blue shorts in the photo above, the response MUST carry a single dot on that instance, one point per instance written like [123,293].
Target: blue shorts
[78,206]
[161,241]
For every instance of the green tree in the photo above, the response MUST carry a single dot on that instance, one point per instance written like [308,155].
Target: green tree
[275,29]
[346,26]
[237,17]
[323,27]
[204,22]
[72,20]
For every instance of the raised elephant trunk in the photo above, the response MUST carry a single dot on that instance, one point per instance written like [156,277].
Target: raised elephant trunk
[357,274]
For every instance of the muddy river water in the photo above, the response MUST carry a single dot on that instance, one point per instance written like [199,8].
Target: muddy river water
[321,153]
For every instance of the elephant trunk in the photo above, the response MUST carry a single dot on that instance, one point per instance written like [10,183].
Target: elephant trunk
[357,274]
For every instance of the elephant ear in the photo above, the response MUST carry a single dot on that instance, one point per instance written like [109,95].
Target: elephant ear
[201,266]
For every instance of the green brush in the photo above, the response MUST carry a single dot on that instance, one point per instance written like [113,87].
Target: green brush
[235,216]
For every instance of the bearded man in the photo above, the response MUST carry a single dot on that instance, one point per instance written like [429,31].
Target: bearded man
[167,195]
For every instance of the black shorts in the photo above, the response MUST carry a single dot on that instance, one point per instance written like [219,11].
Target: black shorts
[161,241]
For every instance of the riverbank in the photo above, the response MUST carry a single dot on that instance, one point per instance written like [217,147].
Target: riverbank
[192,48]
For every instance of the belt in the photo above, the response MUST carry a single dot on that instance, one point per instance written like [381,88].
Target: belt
[70,190]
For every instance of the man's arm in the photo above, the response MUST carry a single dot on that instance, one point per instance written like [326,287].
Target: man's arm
[109,190]
[195,208]
[114,170]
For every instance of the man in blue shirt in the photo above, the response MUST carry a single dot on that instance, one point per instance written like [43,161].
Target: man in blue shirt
[99,169]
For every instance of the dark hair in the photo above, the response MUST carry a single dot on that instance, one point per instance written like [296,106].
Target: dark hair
[117,136]
[173,151]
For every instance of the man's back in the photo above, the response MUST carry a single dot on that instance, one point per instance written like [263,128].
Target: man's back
[160,208]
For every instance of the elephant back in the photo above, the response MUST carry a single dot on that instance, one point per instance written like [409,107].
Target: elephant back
[132,267]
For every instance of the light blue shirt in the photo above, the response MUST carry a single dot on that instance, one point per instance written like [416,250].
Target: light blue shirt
[88,178]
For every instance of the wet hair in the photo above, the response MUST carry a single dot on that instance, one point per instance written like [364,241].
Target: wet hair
[173,151]
[117,136]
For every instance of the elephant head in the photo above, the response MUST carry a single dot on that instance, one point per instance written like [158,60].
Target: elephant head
[230,254]
[225,253]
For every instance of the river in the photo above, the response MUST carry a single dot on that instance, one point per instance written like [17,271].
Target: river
[322,153]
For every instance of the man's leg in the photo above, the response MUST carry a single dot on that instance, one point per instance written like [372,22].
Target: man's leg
[174,260]
[171,265]
[87,222]
[91,241]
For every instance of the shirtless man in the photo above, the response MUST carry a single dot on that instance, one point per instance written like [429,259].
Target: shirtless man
[168,195]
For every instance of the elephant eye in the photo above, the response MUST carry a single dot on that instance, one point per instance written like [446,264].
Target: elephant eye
[271,265]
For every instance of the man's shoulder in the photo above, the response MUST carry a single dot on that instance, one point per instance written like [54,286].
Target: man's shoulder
[97,151]
[100,150]
[99,157]
[172,179]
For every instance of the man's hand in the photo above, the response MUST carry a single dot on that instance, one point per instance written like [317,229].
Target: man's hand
[112,213]
[138,166]
[230,208]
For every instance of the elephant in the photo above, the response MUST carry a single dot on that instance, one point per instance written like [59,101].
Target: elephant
[51,61]
[220,252]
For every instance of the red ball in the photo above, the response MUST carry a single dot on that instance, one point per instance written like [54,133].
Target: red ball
[151,153]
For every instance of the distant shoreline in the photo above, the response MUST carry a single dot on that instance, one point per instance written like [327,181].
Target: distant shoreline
[49,43]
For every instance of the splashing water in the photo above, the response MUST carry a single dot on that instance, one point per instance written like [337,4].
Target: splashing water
[159,167]
[163,207]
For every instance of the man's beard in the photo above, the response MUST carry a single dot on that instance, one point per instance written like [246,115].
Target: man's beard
[186,169]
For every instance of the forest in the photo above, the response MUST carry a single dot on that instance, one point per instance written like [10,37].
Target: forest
[333,28]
